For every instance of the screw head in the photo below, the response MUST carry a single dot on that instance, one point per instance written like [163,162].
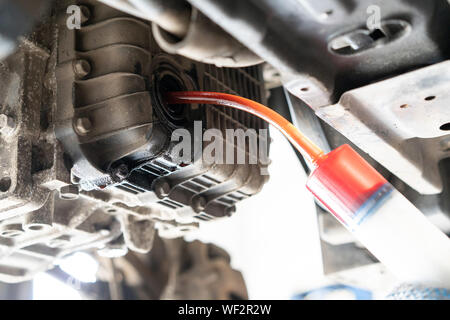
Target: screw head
[162,188]
[121,171]
[81,68]
[199,203]
[83,125]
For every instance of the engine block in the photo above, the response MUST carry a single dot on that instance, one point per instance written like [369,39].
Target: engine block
[86,141]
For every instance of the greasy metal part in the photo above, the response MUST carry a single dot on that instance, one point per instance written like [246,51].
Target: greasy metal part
[180,29]
[7,46]
[35,246]
[171,15]
[174,269]
[86,142]
[42,218]
[400,122]
[206,42]
[112,129]
[200,271]
[139,233]
[37,227]
[309,41]
[434,206]
[215,188]
[21,141]
[102,89]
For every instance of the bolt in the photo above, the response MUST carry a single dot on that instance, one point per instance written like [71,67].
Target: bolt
[230,211]
[162,188]
[7,124]
[83,125]
[69,192]
[121,172]
[81,68]
[199,203]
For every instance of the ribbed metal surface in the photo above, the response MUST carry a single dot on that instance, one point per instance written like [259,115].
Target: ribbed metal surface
[125,88]
[246,82]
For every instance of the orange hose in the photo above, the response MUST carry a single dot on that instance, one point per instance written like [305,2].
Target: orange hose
[300,141]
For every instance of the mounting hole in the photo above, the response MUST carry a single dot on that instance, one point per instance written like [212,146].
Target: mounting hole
[11,230]
[445,127]
[362,39]
[377,34]
[111,210]
[403,106]
[35,227]
[5,184]
[304,89]
[68,196]
[11,233]
[429,98]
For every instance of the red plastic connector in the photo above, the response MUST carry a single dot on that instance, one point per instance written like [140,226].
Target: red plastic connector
[343,182]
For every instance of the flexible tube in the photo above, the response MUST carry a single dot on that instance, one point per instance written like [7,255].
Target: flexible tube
[305,146]
[379,216]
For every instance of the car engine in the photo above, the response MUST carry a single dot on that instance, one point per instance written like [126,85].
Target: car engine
[90,156]
[86,148]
